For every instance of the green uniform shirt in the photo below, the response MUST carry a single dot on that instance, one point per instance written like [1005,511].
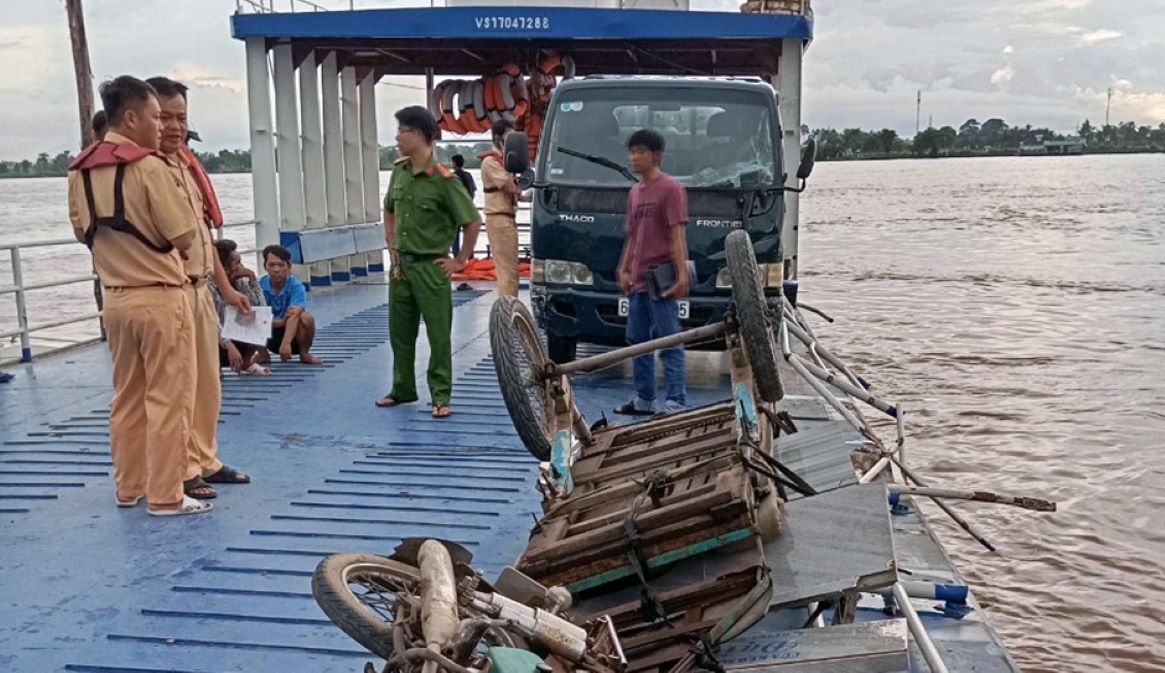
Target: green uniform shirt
[429,207]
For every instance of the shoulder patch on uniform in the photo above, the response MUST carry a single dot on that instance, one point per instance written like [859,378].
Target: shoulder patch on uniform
[401,160]
[445,172]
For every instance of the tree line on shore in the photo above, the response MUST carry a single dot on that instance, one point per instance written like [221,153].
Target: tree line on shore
[972,138]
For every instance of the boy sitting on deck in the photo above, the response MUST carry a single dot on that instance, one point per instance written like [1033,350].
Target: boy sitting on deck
[243,358]
[293,329]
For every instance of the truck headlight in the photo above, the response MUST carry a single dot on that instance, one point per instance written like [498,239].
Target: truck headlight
[537,271]
[564,273]
[772,274]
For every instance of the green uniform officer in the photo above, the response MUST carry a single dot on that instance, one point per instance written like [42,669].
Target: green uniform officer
[425,206]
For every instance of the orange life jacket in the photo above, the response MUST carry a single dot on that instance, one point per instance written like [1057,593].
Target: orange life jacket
[210,208]
[102,154]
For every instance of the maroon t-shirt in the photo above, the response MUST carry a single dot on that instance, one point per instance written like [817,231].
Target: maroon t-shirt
[652,210]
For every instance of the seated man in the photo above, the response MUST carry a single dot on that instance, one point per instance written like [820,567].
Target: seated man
[294,329]
[240,356]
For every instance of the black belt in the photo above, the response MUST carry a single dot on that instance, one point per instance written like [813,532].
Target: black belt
[197,281]
[410,257]
[492,190]
[141,287]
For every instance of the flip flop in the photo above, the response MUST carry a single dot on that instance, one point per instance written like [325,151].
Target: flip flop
[126,504]
[442,411]
[191,488]
[188,506]
[257,369]
[227,475]
[390,401]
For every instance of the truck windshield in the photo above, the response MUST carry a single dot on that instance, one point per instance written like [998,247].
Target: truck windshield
[714,137]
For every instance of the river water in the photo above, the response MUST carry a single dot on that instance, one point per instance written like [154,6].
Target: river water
[1015,308]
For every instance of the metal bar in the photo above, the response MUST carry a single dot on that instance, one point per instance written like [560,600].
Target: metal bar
[955,516]
[875,470]
[314,176]
[607,359]
[48,283]
[370,165]
[21,307]
[1021,501]
[850,389]
[918,630]
[825,393]
[39,244]
[789,91]
[807,338]
[49,325]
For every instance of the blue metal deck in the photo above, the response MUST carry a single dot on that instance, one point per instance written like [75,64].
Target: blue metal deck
[85,586]
[88,587]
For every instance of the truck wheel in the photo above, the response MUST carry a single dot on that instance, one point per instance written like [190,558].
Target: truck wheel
[562,349]
[518,354]
[757,323]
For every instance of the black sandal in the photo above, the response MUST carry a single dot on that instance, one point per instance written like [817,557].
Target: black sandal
[227,475]
[198,489]
[390,401]
[629,409]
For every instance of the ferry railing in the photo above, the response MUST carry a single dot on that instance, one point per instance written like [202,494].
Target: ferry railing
[19,289]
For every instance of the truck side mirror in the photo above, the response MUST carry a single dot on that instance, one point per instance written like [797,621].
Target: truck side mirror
[808,158]
[516,153]
[526,179]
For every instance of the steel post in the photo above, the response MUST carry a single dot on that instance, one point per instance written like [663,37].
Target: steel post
[21,306]
[315,197]
[291,198]
[353,179]
[337,208]
[263,179]
[370,156]
[789,96]
[918,630]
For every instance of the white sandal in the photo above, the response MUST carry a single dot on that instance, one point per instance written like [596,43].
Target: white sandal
[189,506]
[132,502]
[257,369]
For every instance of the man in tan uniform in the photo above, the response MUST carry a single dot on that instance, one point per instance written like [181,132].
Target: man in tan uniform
[126,205]
[204,468]
[501,209]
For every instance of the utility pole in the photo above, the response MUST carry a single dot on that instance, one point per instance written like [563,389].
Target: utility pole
[82,69]
[1108,107]
[918,114]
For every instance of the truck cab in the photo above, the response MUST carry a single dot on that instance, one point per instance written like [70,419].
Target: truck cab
[723,142]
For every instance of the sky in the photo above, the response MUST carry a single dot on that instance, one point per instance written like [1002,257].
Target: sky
[1040,62]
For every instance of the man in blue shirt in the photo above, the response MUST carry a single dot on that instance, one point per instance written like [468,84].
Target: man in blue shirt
[294,329]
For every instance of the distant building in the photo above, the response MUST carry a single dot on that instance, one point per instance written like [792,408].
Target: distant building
[1072,145]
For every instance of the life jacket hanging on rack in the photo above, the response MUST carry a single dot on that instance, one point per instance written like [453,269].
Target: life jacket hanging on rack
[100,155]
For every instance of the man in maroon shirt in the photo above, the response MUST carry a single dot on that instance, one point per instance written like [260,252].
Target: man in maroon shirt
[657,218]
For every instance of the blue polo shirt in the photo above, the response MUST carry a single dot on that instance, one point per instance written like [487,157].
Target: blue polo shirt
[293,294]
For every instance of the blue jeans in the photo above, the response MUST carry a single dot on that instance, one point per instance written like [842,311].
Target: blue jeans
[650,319]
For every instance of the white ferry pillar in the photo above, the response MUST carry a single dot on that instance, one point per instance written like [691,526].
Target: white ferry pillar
[353,178]
[287,140]
[370,154]
[315,197]
[789,93]
[337,208]
[263,181]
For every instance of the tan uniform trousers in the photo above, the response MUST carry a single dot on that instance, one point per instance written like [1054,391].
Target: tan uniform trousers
[503,243]
[206,388]
[149,427]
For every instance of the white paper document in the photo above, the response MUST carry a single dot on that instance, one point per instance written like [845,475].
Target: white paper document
[250,328]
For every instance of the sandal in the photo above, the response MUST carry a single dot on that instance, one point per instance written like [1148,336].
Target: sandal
[257,369]
[442,411]
[198,489]
[126,504]
[227,475]
[390,401]
[188,506]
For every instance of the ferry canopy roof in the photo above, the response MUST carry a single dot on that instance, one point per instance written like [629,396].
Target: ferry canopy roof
[466,40]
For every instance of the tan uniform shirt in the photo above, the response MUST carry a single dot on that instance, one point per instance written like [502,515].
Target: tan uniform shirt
[155,202]
[199,262]
[495,179]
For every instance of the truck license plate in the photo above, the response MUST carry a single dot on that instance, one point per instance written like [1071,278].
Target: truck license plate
[625,308]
